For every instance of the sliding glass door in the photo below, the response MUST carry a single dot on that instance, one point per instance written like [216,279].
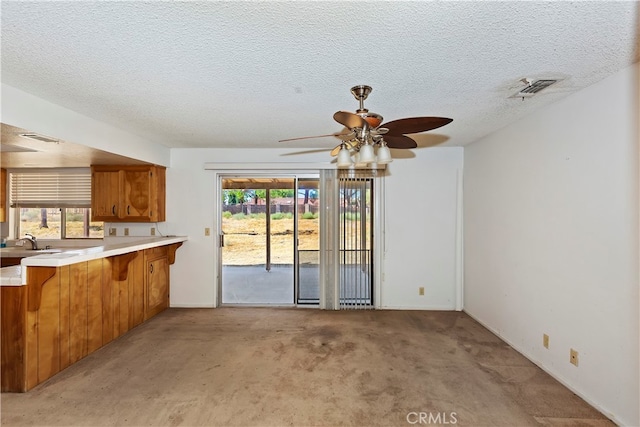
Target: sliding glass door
[294,240]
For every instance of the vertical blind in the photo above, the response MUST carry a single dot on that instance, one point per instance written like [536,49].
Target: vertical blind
[356,239]
[50,188]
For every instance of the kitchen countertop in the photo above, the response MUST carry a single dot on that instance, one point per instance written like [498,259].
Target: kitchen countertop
[10,276]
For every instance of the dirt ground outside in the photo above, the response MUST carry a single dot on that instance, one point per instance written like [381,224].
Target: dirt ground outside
[245,240]
[75,229]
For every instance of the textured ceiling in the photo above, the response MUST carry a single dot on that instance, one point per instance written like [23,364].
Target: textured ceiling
[247,74]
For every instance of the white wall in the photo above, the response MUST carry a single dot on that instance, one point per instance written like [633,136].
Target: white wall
[26,111]
[425,248]
[551,240]
[420,245]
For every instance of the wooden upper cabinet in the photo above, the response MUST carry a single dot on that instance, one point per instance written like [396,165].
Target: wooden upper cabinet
[3,195]
[105,195]
[128,193]
[138,194]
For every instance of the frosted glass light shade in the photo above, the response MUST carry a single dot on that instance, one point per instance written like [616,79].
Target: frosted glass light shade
[384,155]
[344,158]
[366,154]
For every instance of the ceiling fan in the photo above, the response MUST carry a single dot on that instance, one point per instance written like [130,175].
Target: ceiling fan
[367,134]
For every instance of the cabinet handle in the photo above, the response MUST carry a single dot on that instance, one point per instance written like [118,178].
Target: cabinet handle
[113,209]
[150,268]
[128,209]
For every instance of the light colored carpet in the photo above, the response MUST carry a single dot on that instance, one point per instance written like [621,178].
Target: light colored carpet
[302,367]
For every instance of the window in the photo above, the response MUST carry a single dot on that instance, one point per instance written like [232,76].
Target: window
[58,223]
[53,204]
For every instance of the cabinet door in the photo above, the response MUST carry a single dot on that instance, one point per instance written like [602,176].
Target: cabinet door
[137,194]
[157,292]
[105,195]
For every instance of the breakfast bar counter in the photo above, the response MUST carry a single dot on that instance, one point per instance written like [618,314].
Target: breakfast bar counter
[57,308]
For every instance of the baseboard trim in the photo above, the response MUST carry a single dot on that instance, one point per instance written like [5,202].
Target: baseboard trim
[191,306]
[541,365]
[421,307]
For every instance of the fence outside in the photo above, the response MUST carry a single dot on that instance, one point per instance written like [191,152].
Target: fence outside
[249,208]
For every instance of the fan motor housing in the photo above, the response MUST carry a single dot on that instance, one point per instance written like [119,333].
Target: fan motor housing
[373,119]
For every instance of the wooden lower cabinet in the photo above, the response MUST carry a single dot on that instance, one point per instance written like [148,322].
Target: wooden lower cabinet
[157,281]
[65,313]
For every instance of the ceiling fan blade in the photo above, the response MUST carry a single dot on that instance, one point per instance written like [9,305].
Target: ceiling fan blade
[297,153]
[399,141]
[349,120]
[337,135]
[415,125]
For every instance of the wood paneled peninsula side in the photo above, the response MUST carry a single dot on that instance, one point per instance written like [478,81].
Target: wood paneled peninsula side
[69,304]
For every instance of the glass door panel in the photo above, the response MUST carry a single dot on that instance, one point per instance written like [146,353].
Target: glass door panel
[308,249]
[257,240]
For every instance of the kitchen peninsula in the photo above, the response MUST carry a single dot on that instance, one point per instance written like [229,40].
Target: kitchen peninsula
[57,308]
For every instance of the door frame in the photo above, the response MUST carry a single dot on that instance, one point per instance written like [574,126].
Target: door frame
[299,168]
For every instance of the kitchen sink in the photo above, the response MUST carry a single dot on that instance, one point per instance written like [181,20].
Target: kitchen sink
[17,251]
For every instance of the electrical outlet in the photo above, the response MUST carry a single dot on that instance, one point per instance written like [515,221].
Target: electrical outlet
[545,340]
[207,231]
[112,232]
[126,231]
[573,357]
[153,231]
[421,290]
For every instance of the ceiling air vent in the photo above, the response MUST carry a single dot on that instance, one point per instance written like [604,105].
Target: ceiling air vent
[537,86]
[532,88]
[39,137]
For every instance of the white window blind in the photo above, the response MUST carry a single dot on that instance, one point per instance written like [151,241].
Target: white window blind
[50,188]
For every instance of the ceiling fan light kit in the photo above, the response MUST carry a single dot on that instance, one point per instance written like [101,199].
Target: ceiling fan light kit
[367,154]
[384,155]
[368,135]
[344,157]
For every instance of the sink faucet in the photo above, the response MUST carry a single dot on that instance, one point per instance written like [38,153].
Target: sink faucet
[31,239]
